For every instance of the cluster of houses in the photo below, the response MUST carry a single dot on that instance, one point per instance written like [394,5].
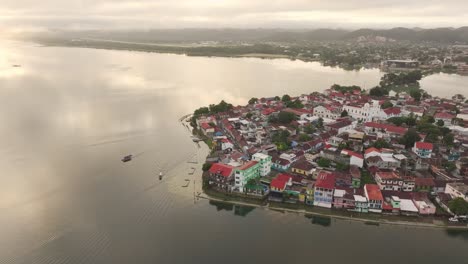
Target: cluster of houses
[332,159]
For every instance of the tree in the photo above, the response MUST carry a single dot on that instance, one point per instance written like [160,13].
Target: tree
[440,122]
[286,117]
[277,98]
[294,104]
[320,122]
[324,163]
[409,138]
[304,137]
[342,166]
[309,129]
[416,94]
[448,139]
[387,104]
[286,98]
[381,143]
[427,119]
[253,100]
[249,115]
[458,206]
[344,113]
[206,166]
[378,91]
[449,166]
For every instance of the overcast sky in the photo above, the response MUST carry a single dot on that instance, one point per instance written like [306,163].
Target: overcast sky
[84,14]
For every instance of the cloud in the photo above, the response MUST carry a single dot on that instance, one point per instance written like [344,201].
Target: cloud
[231,13]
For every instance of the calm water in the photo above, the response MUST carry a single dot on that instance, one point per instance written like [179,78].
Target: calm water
[67,117]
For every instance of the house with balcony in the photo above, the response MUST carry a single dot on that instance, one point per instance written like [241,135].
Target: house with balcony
[221,176]
[361,205]
[374,197]
[423,149]
[323,190]
[303,167]
[389,181]
[457,190]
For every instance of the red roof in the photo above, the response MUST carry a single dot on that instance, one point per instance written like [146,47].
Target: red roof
[247,165]
[352,153]
[444,115]
[369,150]
[392,111]
[424,145]
[387,127]
[222,169]
[280,181]
[325,180]
[373,192]
[205,126]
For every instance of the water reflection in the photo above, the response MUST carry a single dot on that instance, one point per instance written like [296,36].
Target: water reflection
[462,234]
[319,220]
[239,210]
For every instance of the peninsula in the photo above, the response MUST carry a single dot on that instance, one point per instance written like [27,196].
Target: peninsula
[393,150]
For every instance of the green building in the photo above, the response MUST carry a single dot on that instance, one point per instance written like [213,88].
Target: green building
[245,173]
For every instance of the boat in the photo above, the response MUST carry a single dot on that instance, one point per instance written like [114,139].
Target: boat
[127,158]
[160,175]
[16,65]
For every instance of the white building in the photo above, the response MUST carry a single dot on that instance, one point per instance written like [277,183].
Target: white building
[366,112]
[327,112]
[265,163]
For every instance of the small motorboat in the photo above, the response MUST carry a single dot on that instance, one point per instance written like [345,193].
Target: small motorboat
[127,158]
[160,175]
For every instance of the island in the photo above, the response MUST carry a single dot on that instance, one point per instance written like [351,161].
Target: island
[393,153]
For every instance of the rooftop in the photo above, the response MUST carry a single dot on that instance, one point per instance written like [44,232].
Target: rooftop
[373,192]
[248,165]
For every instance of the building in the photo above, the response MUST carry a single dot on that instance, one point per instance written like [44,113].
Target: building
[327,112]
[399,65]
[445,117]
[423,149]
[356,159]
[361,204]
[207,129]
[220,176]
[339,126]
[265,163]
[384,130]
[342,199]
[243,174]
[280,182]
[457,190]
[423,204]
[303,167]
[389,181]
[366,112]
[355,176]
[323,190]
[374,197]
[280,164]
[424,184]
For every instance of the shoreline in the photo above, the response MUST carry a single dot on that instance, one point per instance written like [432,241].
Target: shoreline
[205,196]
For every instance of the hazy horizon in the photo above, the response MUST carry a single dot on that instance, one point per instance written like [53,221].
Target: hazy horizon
[19,15]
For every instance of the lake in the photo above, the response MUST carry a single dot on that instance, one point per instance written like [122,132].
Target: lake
[70,114]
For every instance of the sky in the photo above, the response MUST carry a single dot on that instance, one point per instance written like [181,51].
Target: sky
[144,14]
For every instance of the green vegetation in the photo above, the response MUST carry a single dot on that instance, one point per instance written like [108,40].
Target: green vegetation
[304,137]
[344,113]
[458,206]
[249,115]
[393,79]
[309,129]
[408,120]
[212,109]
[286,98]
[280,139]
[253,100]
[206,166]
[386,104]
[378,91]
[294,104]
[323,162]
[381,143]
[282,117]
[320,122]
[366,178]
[449,166]
[345,89]
[410,137]
[342,167]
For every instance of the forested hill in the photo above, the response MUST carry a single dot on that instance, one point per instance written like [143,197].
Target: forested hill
[446,35]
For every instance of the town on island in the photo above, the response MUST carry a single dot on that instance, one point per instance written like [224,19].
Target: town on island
[393,150]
